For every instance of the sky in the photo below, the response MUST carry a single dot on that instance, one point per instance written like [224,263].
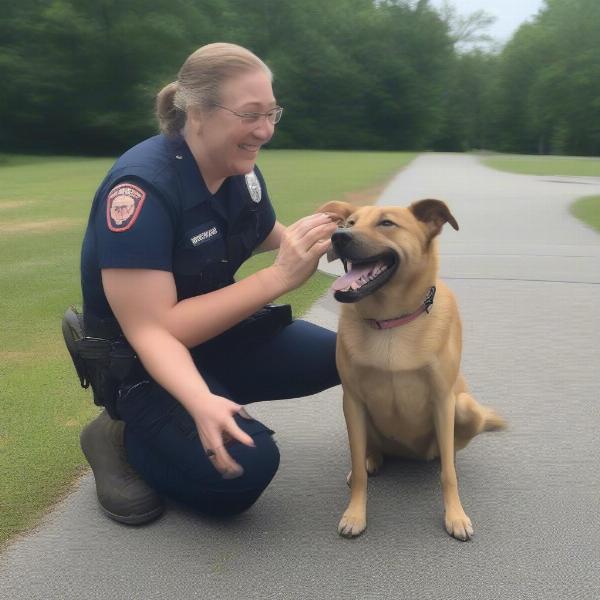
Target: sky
[510,14]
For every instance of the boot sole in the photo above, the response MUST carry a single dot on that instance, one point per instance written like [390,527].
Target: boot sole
[135,519]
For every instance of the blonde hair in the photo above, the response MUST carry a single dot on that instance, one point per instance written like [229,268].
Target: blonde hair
[199,82]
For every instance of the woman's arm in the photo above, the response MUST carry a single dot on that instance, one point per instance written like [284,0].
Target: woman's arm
[198,319]
[139,297]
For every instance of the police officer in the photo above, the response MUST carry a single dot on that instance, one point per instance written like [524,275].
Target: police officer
[169,226]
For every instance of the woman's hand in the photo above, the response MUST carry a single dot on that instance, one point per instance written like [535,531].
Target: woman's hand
[216,426]
[302,244]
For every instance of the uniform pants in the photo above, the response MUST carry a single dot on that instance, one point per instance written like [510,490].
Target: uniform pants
[161,439]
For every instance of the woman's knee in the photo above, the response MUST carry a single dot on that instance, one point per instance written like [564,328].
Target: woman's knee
[175,464]
[227,497]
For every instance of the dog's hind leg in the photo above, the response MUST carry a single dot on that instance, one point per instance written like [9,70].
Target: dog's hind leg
[374,454]
[374,461]
[374,458]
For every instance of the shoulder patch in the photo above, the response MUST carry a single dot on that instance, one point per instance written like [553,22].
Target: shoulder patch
[123,206]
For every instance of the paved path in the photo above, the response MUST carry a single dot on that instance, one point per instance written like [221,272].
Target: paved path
[526,275]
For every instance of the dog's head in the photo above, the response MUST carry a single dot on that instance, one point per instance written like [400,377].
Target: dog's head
[381,243]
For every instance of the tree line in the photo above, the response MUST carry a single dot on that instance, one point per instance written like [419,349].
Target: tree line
[80,76]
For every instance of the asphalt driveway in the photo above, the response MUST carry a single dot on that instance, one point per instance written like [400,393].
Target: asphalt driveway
[527,278]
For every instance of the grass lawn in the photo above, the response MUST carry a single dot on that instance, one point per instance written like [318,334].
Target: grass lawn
[44,204]
[588,210]
[585,209]
[545,165]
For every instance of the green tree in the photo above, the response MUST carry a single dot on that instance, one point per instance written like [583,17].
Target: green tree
[548,87]
[88,70]
[81,75]
[469,102]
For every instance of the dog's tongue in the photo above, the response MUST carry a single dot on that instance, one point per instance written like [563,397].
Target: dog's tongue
[350,277]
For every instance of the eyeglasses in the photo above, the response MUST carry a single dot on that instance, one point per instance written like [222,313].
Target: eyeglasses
[253,118]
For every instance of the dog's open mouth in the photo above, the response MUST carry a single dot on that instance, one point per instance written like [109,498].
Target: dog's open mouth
[364,276]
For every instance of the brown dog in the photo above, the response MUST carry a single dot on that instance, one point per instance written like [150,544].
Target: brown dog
[398,351]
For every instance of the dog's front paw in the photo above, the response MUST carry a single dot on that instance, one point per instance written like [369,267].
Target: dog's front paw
[459,526]
[351,524]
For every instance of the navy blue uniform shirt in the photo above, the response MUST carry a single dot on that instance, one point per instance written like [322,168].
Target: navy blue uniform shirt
[154,211]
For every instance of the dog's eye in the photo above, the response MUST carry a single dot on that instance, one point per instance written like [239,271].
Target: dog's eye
[349,223]
[386,223]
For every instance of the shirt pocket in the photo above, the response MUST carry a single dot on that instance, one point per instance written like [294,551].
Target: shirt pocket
[200,261]
[198,247]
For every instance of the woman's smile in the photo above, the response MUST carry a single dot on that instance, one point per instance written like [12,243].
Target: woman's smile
[253,148]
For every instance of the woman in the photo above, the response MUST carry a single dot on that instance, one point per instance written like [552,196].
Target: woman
[169,226]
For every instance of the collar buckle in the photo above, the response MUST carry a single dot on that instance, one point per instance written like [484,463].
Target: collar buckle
[428,302]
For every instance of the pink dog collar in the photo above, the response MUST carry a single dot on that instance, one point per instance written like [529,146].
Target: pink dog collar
[404,319]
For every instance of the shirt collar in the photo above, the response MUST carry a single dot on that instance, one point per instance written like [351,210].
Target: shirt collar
[193,188]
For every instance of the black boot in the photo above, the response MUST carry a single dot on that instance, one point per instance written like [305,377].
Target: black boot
[123,495]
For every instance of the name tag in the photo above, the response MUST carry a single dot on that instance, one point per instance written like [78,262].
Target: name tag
[204,233]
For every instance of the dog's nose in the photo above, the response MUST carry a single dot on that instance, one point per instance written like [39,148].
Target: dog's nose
[341,238]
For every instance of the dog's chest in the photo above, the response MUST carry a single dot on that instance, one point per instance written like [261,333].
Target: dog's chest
[388,351]
[398,404]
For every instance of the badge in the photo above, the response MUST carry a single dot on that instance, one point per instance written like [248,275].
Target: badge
[253,186]
[123,206]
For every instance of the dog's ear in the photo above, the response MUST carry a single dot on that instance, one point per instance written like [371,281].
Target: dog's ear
[434,213]
[342,210]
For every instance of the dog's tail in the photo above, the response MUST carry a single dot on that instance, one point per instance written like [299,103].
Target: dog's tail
[472,418]
[493,421]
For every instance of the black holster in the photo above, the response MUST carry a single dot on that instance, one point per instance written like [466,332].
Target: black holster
[100,363]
